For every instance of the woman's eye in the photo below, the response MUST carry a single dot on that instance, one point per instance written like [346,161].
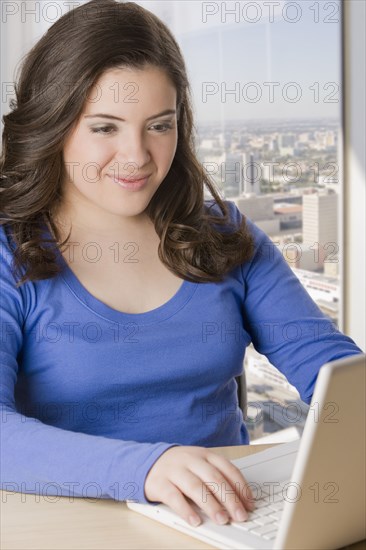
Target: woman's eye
[103,130]
[162,127]
[107,130]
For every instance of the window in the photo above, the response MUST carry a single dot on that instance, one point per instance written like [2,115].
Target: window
[267,91]
[266,82]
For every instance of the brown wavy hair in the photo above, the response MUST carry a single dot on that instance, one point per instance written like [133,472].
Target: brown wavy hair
[75,52]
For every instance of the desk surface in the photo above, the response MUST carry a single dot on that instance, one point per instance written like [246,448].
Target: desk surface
[34,522]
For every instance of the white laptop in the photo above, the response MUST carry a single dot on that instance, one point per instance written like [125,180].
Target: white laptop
[310,493]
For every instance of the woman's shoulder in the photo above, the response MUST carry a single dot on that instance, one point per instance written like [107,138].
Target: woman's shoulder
[235,216]
[5,242]
[213,208]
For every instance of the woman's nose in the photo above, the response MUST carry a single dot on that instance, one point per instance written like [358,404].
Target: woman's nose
[132,153]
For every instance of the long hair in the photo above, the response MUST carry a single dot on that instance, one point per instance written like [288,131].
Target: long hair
[55,78]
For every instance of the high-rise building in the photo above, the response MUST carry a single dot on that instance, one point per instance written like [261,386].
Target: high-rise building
[286,144]
[273,145]
[259,209]
[252,175]
[320,230]
[232,174]
[287,140]
[330,138]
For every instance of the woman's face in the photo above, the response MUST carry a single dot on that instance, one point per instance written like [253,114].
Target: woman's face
[128,129]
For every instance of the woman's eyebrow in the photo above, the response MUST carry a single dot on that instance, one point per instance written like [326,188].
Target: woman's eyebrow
[103,115]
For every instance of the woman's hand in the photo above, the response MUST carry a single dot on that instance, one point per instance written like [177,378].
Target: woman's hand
[208,479]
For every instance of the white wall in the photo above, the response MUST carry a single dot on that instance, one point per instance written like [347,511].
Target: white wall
[354,229]
[22,24]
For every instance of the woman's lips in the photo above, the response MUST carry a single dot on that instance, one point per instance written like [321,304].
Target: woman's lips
[131,184]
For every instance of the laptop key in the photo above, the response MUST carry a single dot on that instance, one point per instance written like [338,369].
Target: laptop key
[275,515]
[264,520]
[245,525]
[258,512]
[270,535]
[277,497]
[253,516]
[277,506]
[262,529]
[260,503]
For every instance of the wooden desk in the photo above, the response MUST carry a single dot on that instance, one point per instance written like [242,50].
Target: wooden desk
[31,522]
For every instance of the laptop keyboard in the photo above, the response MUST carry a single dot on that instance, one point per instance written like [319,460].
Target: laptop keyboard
[264,520]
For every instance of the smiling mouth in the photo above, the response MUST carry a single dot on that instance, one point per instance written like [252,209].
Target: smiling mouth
[130,184]
[131,180]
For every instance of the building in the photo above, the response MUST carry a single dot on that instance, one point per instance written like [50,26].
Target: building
[324,290]
[252,176]
[286,144]
[232,174]
[320,230]
[289,215]
[259,209]
[258,368]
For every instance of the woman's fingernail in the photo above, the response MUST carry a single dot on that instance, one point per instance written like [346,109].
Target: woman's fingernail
[222,517]
[194,521]
[240,515]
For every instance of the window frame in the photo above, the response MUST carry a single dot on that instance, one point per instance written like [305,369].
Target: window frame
[353,59]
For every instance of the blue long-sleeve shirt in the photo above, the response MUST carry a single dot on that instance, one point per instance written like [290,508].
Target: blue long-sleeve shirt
[91,397]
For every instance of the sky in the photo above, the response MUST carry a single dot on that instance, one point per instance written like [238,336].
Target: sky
[282,58]
[296,52]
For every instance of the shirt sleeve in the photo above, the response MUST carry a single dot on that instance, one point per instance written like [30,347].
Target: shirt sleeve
[42,459]
[284,323]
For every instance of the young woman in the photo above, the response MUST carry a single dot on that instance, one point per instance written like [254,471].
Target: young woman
[127,300]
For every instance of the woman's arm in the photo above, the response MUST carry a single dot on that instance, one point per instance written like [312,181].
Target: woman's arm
[39,458]
[284,322]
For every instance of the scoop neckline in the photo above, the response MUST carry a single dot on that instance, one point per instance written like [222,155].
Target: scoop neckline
[164,311]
